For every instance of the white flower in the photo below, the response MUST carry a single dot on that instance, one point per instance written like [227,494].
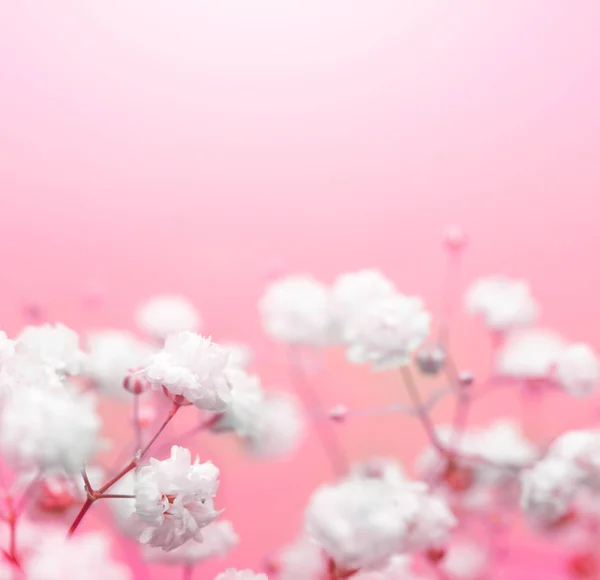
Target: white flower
[360,523]
[54,345]
[111,354]
[174,499]
[295,310]
[530,354]
[303,559]
[167,314]
[49,429]
[232,574]
[353,293]
[247,399]
[388,332]
[581,448]
[578,370]
[503,303]
[279,428]
[192,366]
[240,355]
[465,560]
[22,372]
[218,540]
[83,556]
[7,348]
[548,489]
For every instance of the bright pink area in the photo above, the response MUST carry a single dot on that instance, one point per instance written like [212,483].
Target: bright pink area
[148,146]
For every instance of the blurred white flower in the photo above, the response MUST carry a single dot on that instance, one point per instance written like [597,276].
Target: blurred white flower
[303,559]
[7,348]
[577,370]
[174,499]
[83,556]
[111,354]
[193,367]
[352,294]
[530,354]
[218,540]
[388,332]
[465,560]
[240,355]
[295,310]
[54,345]
[279,427]
[167,314]
[49,429]
[232,574]
[502,302]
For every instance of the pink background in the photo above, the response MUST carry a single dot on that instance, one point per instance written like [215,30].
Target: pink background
[184,146]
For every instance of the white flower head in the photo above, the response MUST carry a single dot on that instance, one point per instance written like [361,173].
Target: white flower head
[54,345]
[240,355]
[388,332]
[279,428]
[193,367]
[49,429]
[577,370]
[83,556]
[174,499]
[218,540]
[232,574]
[502,302]
[352,294]
[465,560]
[303,559]
[530,354]
[360,523]
[167,314]
[111,355]
[295,310]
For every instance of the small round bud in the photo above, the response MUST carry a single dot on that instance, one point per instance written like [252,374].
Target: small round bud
[455,239]
[55,496]
[431,359]
[458,478]
[338,413]
[466,378]
[135,383]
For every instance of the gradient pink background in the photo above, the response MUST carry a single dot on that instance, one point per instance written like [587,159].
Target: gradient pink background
[186,145]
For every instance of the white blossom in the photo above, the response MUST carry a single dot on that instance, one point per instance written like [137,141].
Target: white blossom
[49,429]
[167,314]
[502,302]
[352,294]
[218,540]
[577,370]
[465,560]
[530,354]
[54,345]
[174,499]
[83,556]
[303,559]
[111,355]
[388,332]
[191,366]
[232,574]
[295,310]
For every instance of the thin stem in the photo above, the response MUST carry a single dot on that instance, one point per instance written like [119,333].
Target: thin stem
[421,412]
[114,496]
[315,409]
[100,493]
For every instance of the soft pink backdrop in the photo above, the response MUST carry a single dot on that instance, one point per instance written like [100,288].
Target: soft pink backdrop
[185,146]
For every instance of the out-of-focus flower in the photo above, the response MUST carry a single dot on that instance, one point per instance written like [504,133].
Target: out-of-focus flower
[295,310]
[167,314]
[218,540]
[530,354]
[240,355]
[388,332]
[352,294]
[54,345]
[193,367]
[7,348]
[111,354]
[174,499]
[232,574]
[502,302]
[303,559]
[83,556]
[49,429]
[465,560]
[362,523]
[577,370]
[279,428]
